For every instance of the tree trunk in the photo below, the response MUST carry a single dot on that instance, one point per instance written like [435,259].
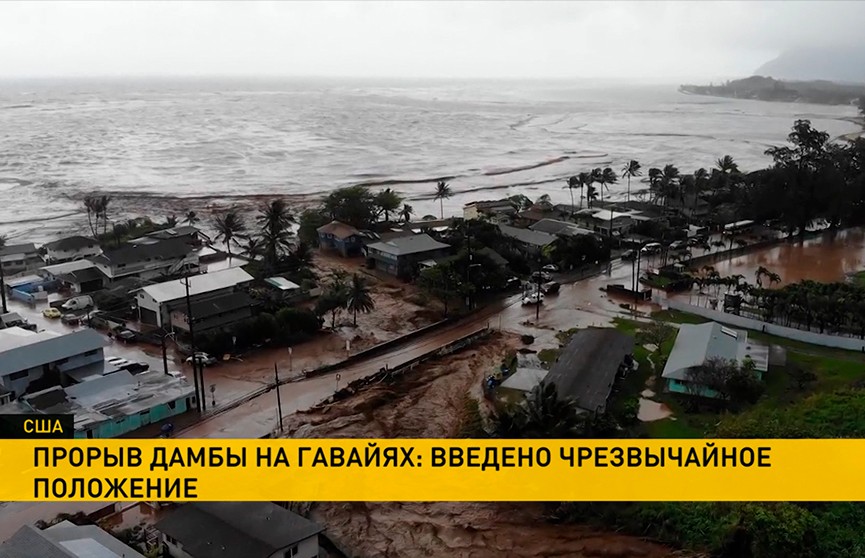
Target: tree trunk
[355,317]
[442,207]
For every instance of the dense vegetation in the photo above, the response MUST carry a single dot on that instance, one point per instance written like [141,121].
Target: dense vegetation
[769,89]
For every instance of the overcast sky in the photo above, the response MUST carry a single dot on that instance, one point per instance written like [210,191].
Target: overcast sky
[642,40]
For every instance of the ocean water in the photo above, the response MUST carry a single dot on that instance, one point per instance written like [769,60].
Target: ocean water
[162,146]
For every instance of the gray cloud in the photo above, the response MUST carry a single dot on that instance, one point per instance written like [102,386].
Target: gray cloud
[449,39]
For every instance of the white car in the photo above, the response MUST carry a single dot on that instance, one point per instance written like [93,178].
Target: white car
[176,375]
[533,298]
[550,268]
[203,359]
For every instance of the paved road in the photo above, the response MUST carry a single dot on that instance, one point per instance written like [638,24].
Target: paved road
[580,304]
[259,416]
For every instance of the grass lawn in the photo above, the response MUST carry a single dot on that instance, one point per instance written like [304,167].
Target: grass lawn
[548,356]
[675,316]
[858,278]
[669,428]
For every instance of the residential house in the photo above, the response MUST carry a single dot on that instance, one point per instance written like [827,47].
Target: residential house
[65,540]
[213,313]
[560,228]
[237,530]
[587,367]
[70,249]
[149,261]
[601,220]
[156,302]
[19,258]
[79,276]
[341,238]
[112,405]
[697,343]
[530,243]
[401,256]
[27,357]
[495,211]
[189,234]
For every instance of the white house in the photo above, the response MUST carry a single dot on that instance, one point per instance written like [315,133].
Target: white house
[71,248]
[18,258]
[148,261]
[238,530]
[156,302]
[26,357]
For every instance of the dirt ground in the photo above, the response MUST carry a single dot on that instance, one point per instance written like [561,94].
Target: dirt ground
[430,402]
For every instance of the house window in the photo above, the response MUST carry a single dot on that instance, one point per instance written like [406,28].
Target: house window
[291,552]
[18,375]
[170,539]
[172,405]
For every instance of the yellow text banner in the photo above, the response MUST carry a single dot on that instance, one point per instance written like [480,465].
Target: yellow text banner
[432,470]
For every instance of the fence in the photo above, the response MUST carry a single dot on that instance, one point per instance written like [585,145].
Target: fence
[821,339]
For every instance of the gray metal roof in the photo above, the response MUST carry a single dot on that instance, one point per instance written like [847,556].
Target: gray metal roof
[72,243]
[528,236]
[525,379]
[586,368]
[556,227]
[88,541]
[27,248]
[133,253]
[405,245]
[30,542]
[235,529]
[696,343]
[49,349]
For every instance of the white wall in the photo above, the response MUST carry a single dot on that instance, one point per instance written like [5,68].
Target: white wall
[822,339]
[307,548]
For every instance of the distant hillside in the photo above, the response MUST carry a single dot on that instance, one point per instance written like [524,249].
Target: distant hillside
[769,89]
[846,65]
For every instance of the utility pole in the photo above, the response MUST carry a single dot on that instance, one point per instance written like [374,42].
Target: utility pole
[164,354]
[3,286]
[199,386]
[538,288]
[278,399]
[469,267]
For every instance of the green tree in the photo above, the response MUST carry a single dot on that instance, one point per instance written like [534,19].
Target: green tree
[275,222]
[353,205]
[543,415]
[631,169]
[387,201]
[359,297]
[585,180]
[334,299]
[309,222]
[229,227]
[443,190]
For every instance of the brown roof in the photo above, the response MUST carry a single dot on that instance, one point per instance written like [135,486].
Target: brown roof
[338,229]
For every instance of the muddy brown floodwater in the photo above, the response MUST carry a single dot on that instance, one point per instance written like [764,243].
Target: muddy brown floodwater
[826,258]
[430,402]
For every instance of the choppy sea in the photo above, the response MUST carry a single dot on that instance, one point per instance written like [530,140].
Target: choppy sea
[161,146]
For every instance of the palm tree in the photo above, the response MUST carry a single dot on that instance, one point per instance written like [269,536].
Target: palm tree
[275,221]
[655,175]
[608,176]
[573,182]
[442,191]
[585,179]
[701,178]
[758,275]
[542,415]
[90,206]
[302,254]
[406,212]
[726,167]
[229,228]
[103,211]
[359,299]
[171,221]
[669,182]
[191,218]
[591,195]
[252,247]
[631,168]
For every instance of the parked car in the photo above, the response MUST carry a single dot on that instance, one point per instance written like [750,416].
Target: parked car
[542,275]
[70,319]
[51,313]
[550,268]
[176,375]
[678,245]
[513,283]
[652,248]
[534,298]
[126,335]
[78,303]
[629,255]
[202,358]
[119,362]
[550,288]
